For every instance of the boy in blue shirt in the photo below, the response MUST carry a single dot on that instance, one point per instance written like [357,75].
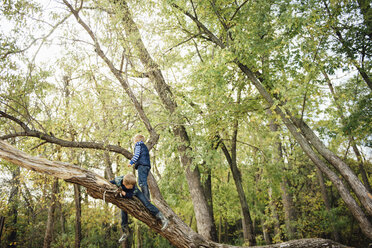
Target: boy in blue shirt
[141,162]
[128,189]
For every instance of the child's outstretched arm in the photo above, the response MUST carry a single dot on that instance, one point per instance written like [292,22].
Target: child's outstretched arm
[137,152]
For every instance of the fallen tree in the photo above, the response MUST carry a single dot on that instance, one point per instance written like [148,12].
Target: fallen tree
[178,233]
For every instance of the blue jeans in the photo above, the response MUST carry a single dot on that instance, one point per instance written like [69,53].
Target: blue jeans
[143,172]
[138,193]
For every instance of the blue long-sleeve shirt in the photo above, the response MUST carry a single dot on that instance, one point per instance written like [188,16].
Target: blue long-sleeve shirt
[141,155]
[137,152]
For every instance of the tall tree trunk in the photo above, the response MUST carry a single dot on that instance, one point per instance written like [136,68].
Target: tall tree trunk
[13,202]
[2,221]
[77,192]
[29,202]
[207,188]
[205,222]
[77,200]
[62,218]
[50,222]
[274,213]
[248,231]
[307,139]
[323,189]
[178,233]
[138,236]
[265,231]
[109,174]
[358,188]
[289,210]
[204,219]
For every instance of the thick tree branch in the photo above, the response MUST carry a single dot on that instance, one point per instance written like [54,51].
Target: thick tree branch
[65,143]
[177,233]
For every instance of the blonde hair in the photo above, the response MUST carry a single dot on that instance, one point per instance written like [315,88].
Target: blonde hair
[138,137]
[129,179]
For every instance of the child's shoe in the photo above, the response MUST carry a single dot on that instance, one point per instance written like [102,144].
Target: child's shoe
[124,236]
[164,221]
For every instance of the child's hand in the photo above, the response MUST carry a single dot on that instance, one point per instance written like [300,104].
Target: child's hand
[129,165]
[123,193]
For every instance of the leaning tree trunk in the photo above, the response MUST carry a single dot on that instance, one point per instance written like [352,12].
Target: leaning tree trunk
[205,222]
[204,219]
[177,233]
[51,216]
[362,171]
[306,139]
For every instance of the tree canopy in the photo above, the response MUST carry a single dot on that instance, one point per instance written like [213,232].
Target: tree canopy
[257,115]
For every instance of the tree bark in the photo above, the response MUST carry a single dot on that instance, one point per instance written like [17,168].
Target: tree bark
[109,174]
[77,200]
[62,218]
[177,233]
[2,221]
[207,188]
[265,231]
[247,221]
[274,212]
[231,157]
[50,222]
[205,222]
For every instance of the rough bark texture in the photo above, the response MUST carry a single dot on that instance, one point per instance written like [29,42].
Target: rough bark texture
[178,233]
